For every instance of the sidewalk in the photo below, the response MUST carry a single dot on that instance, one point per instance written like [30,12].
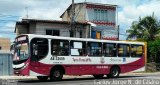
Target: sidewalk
[68,76]
[35,78]
[17,77]
[141,73]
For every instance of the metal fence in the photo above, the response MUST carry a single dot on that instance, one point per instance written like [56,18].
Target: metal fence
[6,64]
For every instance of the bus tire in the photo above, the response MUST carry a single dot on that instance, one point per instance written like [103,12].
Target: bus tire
[114,72]
[100,76]
[42,78]
[56,74]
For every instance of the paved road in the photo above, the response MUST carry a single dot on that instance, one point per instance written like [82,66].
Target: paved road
[145,79]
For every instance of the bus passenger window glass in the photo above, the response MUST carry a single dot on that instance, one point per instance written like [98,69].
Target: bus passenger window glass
[94,49]
[123,50]
[39,48]
[136,51]
[109,50]
[78,48]
[60,47]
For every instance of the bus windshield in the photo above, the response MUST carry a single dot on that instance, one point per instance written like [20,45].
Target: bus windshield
[21,52]
[20,48]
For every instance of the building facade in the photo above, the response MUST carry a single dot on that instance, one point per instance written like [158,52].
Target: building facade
[51,27]
[104,16]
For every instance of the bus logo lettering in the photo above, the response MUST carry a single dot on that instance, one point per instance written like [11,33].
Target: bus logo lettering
[81,60]
[57,58]
[115,60]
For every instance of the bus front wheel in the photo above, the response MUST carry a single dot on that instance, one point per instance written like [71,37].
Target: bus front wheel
[42,78]
[114,72]
[56,74]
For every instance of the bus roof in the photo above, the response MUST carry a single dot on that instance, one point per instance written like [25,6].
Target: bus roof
[81,39]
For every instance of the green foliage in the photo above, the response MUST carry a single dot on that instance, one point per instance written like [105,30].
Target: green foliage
[147,29]
[154,51]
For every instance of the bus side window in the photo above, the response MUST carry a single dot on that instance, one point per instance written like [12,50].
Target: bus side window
[136,50]
[39,48]
[78,48]
[94,49]
[123,50]
[109,49]
[60,47]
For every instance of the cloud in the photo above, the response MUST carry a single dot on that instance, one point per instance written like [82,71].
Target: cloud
[45,13]
[8,27]
[149,8]
[12,7]
[41,9]
[132,13]
[129,11]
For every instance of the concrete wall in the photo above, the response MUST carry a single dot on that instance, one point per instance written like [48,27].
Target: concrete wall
[42,27]
[21,29]
[63,28]
[66,16]
[6,64]
[80,13]
[83,14]
[32,28]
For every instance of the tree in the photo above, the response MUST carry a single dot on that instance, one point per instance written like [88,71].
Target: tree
[147,28]
[154,51]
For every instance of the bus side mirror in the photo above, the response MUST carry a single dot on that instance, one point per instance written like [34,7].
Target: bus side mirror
[35,49]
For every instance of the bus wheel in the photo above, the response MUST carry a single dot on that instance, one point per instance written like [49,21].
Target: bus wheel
[100,76]
[56,74]
[114,72]
[42,78]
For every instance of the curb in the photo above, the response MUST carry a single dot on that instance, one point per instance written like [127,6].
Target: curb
[35,78]
[17,77]
[67,76]
[143,73]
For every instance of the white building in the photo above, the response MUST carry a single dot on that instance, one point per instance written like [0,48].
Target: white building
[103,15]
[51,27]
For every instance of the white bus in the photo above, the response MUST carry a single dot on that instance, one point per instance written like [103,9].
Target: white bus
[52,57]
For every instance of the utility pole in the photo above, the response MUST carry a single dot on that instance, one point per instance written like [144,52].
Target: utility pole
[73,29]
[118,32]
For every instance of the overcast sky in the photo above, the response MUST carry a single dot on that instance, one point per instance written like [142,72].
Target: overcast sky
[14,10]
